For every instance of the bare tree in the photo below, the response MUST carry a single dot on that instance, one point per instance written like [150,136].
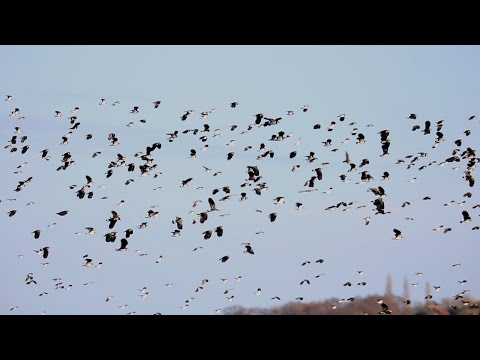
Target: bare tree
[428,292]
[361,306]
[406,289]
[389,288]
[406,296]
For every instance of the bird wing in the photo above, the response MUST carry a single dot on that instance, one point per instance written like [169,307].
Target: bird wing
[212,203]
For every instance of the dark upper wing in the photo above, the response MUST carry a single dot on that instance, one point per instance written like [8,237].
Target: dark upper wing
[212,203]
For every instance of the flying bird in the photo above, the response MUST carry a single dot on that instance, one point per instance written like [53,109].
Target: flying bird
[211,202]
[248,249]
[272,217]
[123,245]
[398,234]
[207,234]
[466,217]
[113,219]
[185,182]
[29,279]
[219,231]
[178,222]
[280,200]
[45,251]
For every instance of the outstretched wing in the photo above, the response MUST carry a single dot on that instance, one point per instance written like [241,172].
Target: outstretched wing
[212,204]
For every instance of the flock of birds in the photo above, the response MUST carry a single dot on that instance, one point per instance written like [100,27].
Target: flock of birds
[205,213]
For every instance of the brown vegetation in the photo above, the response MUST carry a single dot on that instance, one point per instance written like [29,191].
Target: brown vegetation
[364,306]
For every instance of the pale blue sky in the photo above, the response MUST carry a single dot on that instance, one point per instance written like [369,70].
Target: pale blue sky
[378,85]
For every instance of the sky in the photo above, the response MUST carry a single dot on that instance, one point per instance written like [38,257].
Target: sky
[377,87]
